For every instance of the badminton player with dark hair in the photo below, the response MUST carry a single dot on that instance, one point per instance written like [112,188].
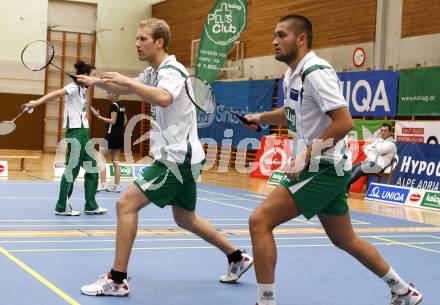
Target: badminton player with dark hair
[178,155]
[317,116]
[77,136]
[116,120]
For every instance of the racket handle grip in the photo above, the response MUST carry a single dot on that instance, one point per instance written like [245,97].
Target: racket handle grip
[249,123]
[75,79]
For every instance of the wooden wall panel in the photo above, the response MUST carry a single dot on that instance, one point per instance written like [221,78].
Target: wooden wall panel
[420,17]
[29,132]
[335,22]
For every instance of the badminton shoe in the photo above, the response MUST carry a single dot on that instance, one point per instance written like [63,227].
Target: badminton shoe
[102,187]
[106,286]
[68,213]
[235,270]
[97,211]
[412,297]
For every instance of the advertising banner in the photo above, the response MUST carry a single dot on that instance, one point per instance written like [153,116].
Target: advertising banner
[241,97]
[3,168]
[371,93]
[273,155]
[226,20]
[366,129]
[418,166]
[419,91]
[404,196]
[418,131]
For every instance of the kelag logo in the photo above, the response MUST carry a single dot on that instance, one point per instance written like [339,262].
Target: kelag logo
[126,170]
[387,193]
[2,168]
[431,200]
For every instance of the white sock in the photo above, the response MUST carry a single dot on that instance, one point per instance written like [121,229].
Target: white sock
[396,284]
[266,294]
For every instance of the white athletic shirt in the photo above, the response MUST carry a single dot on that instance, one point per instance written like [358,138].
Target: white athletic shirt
[381,151]
[306,106]
[75,107]
[174,135]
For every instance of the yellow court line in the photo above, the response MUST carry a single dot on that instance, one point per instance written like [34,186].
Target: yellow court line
[39,277]
[410,244]
[230,196]
[224,203]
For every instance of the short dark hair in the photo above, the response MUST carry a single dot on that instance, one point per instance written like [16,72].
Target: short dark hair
[390,128]
[302,25]
[83,68]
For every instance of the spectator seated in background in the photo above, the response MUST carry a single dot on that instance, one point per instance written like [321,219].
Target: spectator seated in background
[379,155]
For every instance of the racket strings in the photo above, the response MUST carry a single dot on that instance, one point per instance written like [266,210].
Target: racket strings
[6,127]
[37,55]
[202,94]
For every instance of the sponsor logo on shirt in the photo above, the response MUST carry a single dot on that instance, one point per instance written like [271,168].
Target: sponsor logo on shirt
[294,94]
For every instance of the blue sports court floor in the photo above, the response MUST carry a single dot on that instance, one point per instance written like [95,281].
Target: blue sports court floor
[46,258]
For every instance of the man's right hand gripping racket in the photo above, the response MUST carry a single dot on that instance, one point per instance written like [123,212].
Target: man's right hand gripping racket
[202,96]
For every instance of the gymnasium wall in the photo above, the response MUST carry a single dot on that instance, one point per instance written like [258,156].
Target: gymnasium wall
[24,21]
[28,134]
[339,28]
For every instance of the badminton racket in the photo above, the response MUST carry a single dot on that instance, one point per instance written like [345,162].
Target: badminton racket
[6,127]
[39,54]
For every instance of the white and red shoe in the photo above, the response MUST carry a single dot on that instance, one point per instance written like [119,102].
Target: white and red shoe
[236,270]
[106,286]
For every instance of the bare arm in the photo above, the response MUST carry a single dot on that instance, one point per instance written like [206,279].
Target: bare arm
[150,94]
[101,83]
[111,120]
[274,117]
[44,99]
[341,125]
[120,84]
[125,119]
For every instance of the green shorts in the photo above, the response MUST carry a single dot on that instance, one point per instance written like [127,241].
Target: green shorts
[321,192]
[171,184]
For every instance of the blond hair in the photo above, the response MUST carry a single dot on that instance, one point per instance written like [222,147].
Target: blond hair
[160,29]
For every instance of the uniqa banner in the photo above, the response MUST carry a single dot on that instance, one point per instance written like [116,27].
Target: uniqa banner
[371,93]
[225,22]
[418,166]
